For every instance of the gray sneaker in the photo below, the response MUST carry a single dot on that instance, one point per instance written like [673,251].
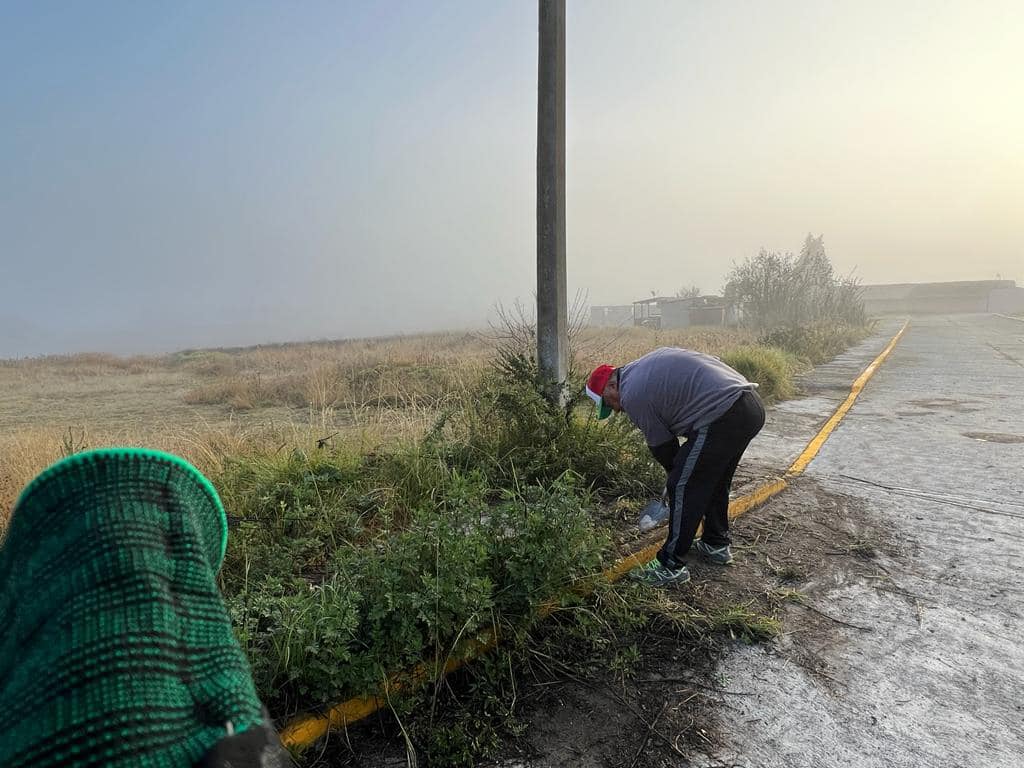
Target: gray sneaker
[654,574]
[719,555]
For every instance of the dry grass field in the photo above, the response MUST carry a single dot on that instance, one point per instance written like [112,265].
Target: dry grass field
[207,405]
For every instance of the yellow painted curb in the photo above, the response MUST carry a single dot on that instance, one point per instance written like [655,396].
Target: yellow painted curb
[304,730]
[814,446]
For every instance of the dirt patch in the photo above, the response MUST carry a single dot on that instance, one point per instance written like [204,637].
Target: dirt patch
[796,547]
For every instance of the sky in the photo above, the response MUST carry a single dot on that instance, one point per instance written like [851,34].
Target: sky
[219,173]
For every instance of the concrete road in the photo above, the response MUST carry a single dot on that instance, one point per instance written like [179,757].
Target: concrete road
[934,448]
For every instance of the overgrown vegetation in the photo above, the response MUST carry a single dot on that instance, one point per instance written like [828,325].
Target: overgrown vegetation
[790,291]
[347,572]
[345,569]
[799,303]
[607,636]
[354,561]
[815,343]
[325,617]
[217,406]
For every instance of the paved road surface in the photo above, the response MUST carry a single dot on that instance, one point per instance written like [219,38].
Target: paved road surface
[934,448]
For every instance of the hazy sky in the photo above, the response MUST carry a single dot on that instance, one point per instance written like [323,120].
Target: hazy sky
[195,173]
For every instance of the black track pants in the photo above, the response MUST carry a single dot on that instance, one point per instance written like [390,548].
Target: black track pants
[698,485]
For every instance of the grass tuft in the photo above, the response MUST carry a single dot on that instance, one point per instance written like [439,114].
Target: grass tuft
[771,368]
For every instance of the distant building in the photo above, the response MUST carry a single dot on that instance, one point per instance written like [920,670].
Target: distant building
[965,296]
[676,312]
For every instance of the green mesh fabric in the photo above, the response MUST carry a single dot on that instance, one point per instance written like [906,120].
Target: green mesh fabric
[115,646]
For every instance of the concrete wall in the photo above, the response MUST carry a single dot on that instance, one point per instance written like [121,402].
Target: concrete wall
[707,316]
[944,298]
[679,314]
[942,305]
[675,314]
[928,305]
[1008,301]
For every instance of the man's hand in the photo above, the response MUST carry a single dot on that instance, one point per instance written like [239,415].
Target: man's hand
[665,454]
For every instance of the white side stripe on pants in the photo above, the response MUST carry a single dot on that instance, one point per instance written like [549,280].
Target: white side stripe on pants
[677,508]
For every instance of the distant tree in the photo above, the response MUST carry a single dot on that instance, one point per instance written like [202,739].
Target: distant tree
[778,291]
[762,287]
[813,249]
[688,292]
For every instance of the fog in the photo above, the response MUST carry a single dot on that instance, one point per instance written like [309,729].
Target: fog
[197,174]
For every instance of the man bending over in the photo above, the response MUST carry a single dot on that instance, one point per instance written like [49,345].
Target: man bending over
[671,393]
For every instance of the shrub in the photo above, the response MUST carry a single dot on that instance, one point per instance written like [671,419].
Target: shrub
[517,437]
[462,565]
[770,368]
[346,568]
[786,291]
[817,343]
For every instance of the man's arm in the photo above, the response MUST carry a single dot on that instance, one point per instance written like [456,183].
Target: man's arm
[665,453]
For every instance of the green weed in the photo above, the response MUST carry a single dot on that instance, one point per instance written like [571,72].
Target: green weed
[461,566]
[512,433]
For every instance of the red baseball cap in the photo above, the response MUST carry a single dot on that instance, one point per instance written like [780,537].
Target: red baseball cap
[595,389]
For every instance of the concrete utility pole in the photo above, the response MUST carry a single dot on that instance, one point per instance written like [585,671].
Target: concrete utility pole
[552,303]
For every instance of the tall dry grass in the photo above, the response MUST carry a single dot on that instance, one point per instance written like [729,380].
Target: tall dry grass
[401,372]
[391,372]
[24,453]
[87,363]
[617,346]
[363,392]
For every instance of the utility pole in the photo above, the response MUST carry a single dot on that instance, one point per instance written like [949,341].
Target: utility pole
[552,302]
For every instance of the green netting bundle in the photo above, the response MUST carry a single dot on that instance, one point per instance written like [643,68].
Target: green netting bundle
[115,646]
